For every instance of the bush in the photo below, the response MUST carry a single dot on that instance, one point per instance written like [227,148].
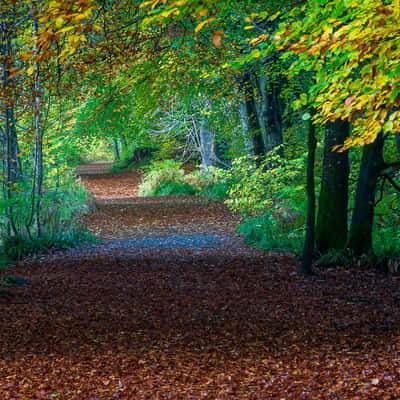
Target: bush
[62,204]
[271,198]
[217,190]
[161,174]
[168,188]
[256,189]
[7,281]
[269,233]
[17,247]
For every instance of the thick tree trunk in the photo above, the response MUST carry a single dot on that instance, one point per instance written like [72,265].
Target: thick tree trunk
[244,121]
[270,112]
[372,164]
[250,116]
[309,243]
[331,230]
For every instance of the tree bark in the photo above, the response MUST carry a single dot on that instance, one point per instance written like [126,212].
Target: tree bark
[309,243]
[244,121]
[270,112]
[116,150]
[207,144]
[331,229]
[397,138]
[11,162]
[250,116]
[372,164]
[38,134]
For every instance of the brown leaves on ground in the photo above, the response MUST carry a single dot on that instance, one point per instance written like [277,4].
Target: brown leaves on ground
[206,319]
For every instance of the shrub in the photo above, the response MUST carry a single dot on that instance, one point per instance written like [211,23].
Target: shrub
[7,281]
[255,189]
[158,173]
[271,198]
[270,233]
[168,188]
[62,204]
[17,247]
[217,190]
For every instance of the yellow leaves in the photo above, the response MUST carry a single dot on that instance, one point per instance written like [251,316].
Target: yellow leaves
[30,71]
[59,22]
[178,3]
[66,29]
[169,12]
[202,24]
[275,16]
[259,39]
[202,12]
[152,3]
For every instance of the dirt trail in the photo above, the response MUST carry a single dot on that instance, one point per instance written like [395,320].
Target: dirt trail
[122,215]
[172,306]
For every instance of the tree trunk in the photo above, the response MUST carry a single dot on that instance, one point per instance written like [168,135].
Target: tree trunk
[244,121]
[11,161]
[309,243]
[397,138]
[38,134]
[331,230]
[270,112]
[249,116]
[207,144]
[372,164]
[116,150]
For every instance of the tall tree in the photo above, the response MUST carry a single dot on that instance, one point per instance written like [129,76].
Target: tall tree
[309,242]
[372,165]
[331,229]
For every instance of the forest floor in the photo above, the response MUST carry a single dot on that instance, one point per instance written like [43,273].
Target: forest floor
[171,304]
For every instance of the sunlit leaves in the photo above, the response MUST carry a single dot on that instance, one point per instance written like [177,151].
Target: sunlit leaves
[353,47]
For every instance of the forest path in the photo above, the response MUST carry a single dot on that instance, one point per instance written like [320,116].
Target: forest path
[147,315]
[176,221]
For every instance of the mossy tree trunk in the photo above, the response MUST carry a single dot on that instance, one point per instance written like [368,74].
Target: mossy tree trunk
[331,229]
[270,111]
[372,164]
[249,116]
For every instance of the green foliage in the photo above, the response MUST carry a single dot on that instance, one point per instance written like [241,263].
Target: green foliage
[335,258]
[17,247]
[7,281]
[271,197]
[137,155]
[159,172]
[386,235]
[210,182]
[169,178]
[270,232]
[255,189]
[218,190]
[63,202]
[347,258]
[167,188]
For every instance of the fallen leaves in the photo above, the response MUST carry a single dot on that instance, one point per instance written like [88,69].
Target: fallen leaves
[119,320]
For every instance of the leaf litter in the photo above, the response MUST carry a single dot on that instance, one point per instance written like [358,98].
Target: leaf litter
[170,304]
